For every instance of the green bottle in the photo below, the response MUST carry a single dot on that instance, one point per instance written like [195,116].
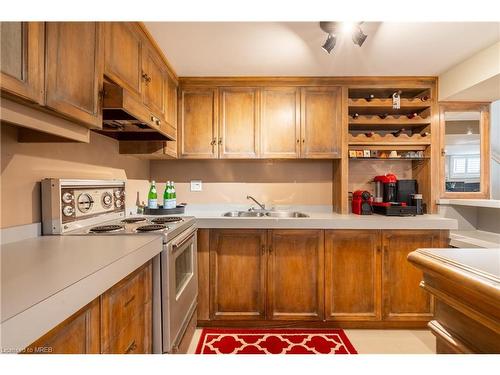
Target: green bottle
[174,196]
[152,196]
[165,196]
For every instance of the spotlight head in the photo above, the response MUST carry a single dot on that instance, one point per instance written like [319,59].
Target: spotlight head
[358,37]
[329,43]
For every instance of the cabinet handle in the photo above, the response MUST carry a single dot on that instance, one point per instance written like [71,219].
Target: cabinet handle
[298,140]
[263,249]
[158,122]
[131,347]
[213,142]
[303,141]
[270,249]
[220,141]
[145,77]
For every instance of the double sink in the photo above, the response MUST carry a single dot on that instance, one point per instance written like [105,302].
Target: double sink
[270,213]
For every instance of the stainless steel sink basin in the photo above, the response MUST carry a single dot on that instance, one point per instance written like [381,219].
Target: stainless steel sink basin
[285,214]
[244,214]
[266,213]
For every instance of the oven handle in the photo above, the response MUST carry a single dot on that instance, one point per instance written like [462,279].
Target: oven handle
[185,238]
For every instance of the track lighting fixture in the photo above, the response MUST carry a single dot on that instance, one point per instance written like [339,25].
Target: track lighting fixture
[336,28]
[329,43]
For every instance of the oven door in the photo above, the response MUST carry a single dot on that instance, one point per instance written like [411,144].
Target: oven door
[180,292]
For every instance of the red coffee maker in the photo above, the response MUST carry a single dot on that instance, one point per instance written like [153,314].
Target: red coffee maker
[361,202]
[385,188]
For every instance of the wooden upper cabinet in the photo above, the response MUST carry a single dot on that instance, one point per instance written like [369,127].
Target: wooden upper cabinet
[296,275]
[171,100]
[280,123]
[352,275]
[403,298]
[237,274]
[198,123]
[123,55]
[79,334]
[321,122]
[22,59]
[74,70]
[153,73]
[239,130]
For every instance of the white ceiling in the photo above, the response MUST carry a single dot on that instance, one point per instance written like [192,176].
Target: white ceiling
[294,48]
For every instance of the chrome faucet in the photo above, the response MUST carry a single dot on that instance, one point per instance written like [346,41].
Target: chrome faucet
[261,205]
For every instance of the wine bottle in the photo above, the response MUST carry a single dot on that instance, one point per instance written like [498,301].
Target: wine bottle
[424,98]
[412,115]
[383,116]
[169,203]
[152,196]
[425,134]
[369,134]
[370,97]
[355,116]
[397,133]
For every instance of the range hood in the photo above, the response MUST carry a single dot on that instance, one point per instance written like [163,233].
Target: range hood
[126,118]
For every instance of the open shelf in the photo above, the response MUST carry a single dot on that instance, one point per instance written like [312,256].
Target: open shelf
[390,120]
[386,92]
[389,139]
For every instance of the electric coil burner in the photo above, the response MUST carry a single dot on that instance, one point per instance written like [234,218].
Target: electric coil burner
[133,220]
[165,220]
[106,228]
[151,228]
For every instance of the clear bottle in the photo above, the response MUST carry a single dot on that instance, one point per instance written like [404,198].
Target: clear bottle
[152,196]
[174,196]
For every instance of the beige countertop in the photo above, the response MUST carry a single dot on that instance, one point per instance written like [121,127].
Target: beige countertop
[44,280]
[210,216]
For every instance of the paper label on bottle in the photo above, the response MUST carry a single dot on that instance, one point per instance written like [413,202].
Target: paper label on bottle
[152,203]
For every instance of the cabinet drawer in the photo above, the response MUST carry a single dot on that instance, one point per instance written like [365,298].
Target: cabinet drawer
[123,302]
[135,338]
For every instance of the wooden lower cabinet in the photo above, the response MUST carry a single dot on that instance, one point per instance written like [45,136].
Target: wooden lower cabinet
[237,274]
[295,275]
[403,299]
[315,278]
[126,314]
[353,275]
[119,321]
[79,334]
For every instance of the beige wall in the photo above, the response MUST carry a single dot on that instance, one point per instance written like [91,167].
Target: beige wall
[230,181]
[361,172]
[24,165]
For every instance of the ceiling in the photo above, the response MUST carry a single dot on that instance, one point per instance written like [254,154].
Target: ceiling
[294,48]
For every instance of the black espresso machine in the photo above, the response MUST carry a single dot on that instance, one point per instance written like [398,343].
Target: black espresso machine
[395,197]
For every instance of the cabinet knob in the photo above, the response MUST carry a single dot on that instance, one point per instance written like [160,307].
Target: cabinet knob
[213,142]
[220,141]
[298,140]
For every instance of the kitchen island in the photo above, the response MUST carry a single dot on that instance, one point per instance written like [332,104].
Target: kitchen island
[466,286]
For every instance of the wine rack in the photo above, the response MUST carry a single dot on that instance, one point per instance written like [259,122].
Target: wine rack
[374,121]
[386,139]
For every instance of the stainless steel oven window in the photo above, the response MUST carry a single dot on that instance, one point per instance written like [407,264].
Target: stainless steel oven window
[184,268]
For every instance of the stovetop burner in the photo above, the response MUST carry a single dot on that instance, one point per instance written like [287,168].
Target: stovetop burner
[132,220]
[106,228]
[164,220]
[151,228]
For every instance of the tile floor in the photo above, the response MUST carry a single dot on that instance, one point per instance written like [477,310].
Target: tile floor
[374,341]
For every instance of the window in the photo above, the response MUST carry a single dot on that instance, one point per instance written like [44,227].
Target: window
[465,166]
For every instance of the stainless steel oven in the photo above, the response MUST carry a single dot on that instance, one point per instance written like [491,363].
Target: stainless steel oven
[176,290]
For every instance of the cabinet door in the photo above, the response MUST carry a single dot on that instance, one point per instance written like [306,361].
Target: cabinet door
[321,122]
[123,55]
[280,123]
[296,275]
[198,119]
[237,274]
[22,59]
[154,82]
[127,313]
[74,70]
[403,297]
[352,275]
[79,334]
[239,130]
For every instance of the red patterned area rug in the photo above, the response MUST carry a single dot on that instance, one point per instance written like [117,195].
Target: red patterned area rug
[274,341]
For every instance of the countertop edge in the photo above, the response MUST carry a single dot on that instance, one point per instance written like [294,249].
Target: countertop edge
[24,328]
[456,272]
